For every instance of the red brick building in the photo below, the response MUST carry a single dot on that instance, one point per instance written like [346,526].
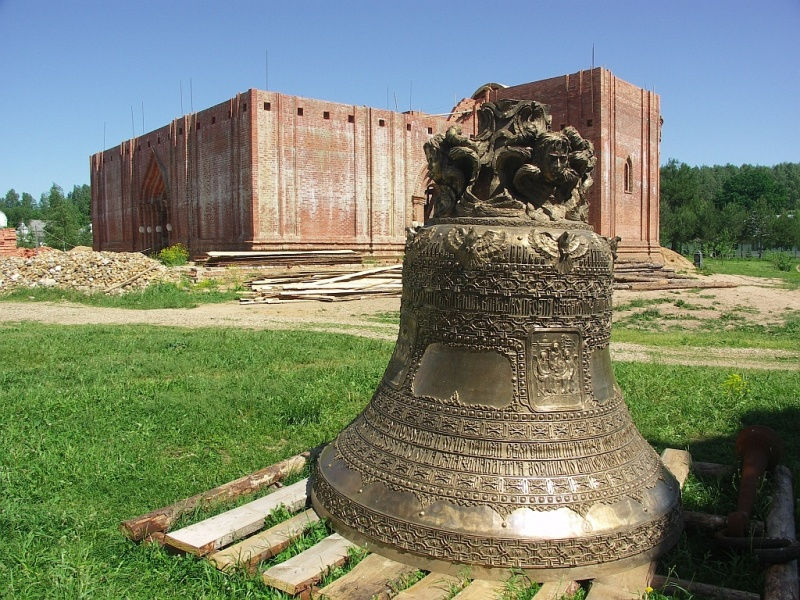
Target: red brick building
[266,171]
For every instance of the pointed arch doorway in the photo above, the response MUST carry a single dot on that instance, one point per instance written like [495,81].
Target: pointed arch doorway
[154,219]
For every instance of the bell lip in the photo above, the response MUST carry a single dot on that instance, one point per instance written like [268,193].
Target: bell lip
[476,571]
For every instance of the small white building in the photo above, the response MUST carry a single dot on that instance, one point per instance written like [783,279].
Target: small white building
[3,220]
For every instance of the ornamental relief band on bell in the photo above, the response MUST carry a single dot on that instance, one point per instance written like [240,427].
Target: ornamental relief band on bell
[500,552]
[498,436]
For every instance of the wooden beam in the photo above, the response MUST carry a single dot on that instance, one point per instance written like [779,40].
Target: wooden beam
[370,579]
[555,590]
[225,528]
[435,586]
[708,469]
[780,581]
[713,592]
[678,462]
[266,544]
[162,519]
[625,585]
[304,570]
[481,589]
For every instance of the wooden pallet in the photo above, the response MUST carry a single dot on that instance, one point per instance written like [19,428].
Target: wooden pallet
[237,538]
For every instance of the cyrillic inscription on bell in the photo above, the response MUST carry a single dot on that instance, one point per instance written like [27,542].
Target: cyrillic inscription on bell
[498,438]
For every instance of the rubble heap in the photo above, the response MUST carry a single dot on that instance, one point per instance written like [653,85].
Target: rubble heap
[80,269]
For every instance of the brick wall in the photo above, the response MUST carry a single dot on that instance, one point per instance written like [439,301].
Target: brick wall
[189,182]
[265,171]
[269,171]
[8,241]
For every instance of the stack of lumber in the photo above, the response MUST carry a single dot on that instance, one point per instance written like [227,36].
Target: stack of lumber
[286,258]
[8,241]
[378,281]
[634,275]
[239,538]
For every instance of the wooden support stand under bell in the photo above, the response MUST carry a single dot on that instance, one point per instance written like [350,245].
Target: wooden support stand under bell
[498,439]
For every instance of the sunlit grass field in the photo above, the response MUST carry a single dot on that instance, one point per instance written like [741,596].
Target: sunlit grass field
[102,423]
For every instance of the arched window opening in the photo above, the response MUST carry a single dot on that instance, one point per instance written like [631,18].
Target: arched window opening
[628,175]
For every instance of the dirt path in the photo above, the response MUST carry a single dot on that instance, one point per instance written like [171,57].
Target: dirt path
[756,300]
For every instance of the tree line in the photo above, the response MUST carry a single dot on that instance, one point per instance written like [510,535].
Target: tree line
[67,217]
[720,207]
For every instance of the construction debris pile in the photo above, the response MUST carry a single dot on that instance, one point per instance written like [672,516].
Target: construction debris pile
[325,286]
[80,269]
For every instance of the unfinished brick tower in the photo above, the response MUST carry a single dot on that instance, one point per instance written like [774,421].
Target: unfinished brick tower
[623,122]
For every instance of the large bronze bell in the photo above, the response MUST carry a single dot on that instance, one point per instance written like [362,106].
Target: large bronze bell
[498,438]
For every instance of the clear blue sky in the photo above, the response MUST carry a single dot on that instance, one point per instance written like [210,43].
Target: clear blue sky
[727,71]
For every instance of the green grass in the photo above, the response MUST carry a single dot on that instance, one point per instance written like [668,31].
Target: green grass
[157,295]
[752,267]
[100,423]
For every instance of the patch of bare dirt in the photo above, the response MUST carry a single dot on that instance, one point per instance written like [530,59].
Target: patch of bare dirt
[757,300]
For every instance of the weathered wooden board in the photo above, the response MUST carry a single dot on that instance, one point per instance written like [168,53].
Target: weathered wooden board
[307,568]
[481,589]
[266,544]
[223,529]
[781,580]
[370,579]
[678,462]
[435,586]
[162,519]
[625,585]
[555,590]
[704,590]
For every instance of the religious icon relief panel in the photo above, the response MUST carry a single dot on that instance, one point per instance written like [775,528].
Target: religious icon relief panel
[555,366]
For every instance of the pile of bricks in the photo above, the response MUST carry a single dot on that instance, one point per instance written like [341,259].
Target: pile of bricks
[8,241]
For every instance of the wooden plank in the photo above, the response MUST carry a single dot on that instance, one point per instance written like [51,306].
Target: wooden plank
[555,590]
[371,578]
[266,544]
[781,580]
[435,586]
[356,275]
[276,253]
[625,585]
[671,584]
[216,532]
[708,469]
[481,589]
[716,522]
[307,568]
[678,462]
[163,518]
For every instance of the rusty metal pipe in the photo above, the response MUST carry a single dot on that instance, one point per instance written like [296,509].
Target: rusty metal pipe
[759,449]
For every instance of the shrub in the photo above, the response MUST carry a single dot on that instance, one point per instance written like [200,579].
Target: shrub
[781,260]
[174,255]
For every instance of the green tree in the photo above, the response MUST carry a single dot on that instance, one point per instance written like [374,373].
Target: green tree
[759,225]
[81,197]
[750,186]
[63,228]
